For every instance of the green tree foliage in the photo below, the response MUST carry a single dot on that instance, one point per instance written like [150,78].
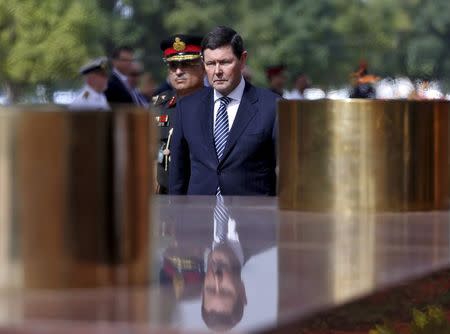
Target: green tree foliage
[430,321]
[44,41]
[328,38]
[428,45]
[139,24]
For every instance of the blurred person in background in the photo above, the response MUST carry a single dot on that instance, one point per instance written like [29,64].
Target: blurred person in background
[363,83]
[95,74]
[247,74]
[301,83]
[119,90]
[148,86]
[276,77]
[134,79]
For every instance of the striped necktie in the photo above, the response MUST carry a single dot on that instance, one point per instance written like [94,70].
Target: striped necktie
[221,126]
[221,129]
[221,217]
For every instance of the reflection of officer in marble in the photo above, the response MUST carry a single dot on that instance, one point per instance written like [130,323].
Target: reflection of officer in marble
[96,80]
[182,54]
[183,270]
[223,296]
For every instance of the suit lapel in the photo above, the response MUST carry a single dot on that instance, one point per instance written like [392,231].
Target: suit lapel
[246,111]
[207,118]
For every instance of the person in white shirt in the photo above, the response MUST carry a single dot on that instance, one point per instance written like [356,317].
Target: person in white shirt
[96,79]
[302,83]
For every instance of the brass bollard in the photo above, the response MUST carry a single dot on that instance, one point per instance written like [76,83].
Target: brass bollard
[363,155]
[78,196]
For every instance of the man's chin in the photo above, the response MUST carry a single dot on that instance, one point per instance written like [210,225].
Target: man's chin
[221,87]
[180,86]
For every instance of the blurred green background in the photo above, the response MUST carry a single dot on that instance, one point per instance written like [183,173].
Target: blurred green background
[44,42]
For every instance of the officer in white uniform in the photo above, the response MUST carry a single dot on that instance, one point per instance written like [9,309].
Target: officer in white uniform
[91,97]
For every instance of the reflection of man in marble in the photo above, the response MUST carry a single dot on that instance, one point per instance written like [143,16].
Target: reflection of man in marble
[223,295]
[222,243]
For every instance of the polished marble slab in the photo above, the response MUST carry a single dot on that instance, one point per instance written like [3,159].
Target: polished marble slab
[292,265]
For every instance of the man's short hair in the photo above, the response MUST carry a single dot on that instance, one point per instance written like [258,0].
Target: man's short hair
[118,50]
[223,36]
[220,321]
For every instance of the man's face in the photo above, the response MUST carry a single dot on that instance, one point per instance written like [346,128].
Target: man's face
[124,62]
[186,76]
[223,68]
[98,80]
[134,75]
[278,81]
[222,286]
[302,83]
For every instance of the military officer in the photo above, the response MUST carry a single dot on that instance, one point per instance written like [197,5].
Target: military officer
[95,75]
[363,83]
[182,55]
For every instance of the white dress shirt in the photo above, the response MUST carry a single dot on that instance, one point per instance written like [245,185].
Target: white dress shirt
[232,239]
[122,77]
[293,95]
[235,96]
[133,91]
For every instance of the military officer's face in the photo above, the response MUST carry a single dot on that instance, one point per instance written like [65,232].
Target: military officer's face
[98,80]
[223,68]
[186,76]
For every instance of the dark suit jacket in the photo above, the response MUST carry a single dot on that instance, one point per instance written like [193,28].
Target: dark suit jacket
[116,91]
[193,226]
[248,163]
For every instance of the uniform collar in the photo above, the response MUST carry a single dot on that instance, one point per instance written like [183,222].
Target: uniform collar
[92,90]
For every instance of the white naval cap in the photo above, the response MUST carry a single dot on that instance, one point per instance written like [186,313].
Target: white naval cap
[100,63]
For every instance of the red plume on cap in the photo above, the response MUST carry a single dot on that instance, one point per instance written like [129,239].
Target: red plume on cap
[363,67]
[274,70]
[362,76]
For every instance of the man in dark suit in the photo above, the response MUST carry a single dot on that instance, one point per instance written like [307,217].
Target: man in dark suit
[134,80]
[224,135]
[119,90]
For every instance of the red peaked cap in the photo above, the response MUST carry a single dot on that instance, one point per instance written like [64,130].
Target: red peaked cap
[181,47]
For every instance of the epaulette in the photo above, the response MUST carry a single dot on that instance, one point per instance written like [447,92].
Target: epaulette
[162,98]
[85,95]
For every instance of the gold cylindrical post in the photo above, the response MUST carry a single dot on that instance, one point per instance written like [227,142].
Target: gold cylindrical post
[78,196]
[363,155]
